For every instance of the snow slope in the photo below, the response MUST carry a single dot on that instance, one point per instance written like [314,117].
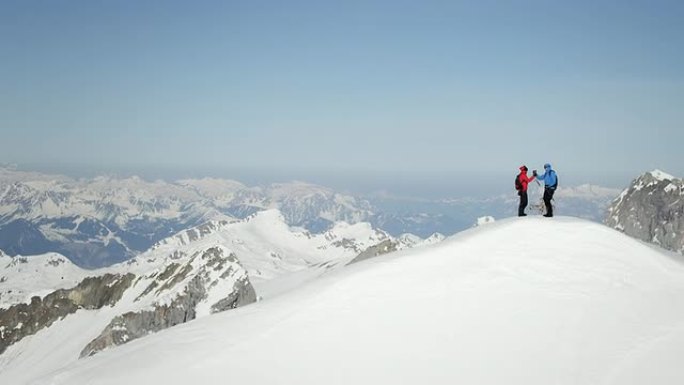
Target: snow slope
[24,277]
[519,301]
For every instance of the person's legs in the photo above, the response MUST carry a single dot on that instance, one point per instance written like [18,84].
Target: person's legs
[523,204]
[548,195]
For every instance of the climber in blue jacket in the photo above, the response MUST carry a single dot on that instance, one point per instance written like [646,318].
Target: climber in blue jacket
[550,185]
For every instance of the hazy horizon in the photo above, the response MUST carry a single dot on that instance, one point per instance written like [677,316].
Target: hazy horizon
[426,187]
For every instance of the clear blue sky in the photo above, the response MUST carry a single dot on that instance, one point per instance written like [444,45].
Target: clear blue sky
[414,90]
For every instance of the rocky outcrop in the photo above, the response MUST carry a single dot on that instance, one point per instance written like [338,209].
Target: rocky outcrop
[193,234]
[209,281]
[243,294]
[385,247]
[188,287]
[21,320]
[652,210]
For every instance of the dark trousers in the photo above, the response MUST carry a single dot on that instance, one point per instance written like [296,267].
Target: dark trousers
[523,203]
[548,195]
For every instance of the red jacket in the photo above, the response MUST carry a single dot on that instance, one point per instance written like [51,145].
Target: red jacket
[524,179]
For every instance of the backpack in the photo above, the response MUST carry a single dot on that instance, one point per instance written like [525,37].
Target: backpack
[518,184]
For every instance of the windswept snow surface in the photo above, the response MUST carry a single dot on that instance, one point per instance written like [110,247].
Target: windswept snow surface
[519,301]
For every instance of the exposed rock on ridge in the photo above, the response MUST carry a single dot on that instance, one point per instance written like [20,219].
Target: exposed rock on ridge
[651,209]
[200,285]
[92,293]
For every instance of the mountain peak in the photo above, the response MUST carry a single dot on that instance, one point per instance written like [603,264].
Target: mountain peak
[650,209]
[661,175]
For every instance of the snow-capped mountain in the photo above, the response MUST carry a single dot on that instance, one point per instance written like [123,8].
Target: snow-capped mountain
[651,209]
[585,304]
[217,266]
[100,221]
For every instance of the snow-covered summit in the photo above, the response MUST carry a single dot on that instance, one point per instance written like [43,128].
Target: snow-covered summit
[652,178]
[661,175]
[484,307]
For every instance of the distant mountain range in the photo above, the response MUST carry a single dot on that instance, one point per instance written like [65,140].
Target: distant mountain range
[100,221]
[105,220]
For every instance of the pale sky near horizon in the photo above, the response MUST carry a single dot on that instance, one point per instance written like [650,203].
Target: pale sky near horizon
[383,90]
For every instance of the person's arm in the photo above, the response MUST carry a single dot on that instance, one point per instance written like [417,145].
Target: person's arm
[541,177]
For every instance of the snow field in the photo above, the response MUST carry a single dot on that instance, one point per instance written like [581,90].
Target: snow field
[519,301]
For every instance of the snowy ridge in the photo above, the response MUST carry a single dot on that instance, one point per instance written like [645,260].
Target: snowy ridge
[24,277]
[194,234]
[266,245]
[542,312]
[433,239]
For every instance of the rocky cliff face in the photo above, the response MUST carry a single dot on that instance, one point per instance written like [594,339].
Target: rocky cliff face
[147,299]
[651,209]
[92,293]
[211,281]
[385,247]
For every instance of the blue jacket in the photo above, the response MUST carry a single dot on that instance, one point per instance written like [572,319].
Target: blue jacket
[549,177]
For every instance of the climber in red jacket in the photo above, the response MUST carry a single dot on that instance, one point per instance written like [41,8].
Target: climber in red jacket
[521,182]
